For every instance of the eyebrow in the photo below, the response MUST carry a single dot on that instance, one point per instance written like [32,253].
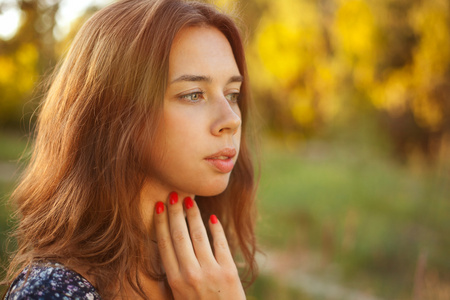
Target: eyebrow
[208,79]
[238,78]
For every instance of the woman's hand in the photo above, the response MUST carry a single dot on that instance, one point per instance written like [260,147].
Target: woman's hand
[193,270]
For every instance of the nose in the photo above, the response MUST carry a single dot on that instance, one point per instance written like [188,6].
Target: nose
[227,118]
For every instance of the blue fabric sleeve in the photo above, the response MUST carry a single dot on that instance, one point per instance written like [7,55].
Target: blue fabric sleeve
[51,281]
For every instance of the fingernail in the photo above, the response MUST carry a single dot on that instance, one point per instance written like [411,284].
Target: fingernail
[173,198]
[213,219]
[188,202]
[159,207]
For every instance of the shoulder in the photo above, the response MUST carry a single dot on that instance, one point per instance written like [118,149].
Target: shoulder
[48,281]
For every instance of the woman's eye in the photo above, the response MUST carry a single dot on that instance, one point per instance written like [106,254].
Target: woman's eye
[193,97]
[233,97]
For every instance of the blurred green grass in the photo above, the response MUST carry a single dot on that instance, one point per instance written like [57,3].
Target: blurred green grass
[346,203]
[13,145]
[5,223]
[358,209]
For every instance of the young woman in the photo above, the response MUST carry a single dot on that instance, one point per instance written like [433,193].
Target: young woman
[141,141]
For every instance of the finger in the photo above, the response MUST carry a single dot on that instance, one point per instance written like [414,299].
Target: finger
[181,240]
[197,230]
[221,249]
[164,240]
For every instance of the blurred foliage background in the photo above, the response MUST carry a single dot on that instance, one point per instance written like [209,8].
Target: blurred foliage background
[354,115]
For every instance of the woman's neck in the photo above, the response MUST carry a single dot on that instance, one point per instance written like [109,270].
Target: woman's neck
[151,193]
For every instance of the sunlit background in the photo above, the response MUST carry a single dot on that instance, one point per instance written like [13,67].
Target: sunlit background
[353,102]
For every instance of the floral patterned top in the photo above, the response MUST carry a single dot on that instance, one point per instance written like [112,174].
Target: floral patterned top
[51,281]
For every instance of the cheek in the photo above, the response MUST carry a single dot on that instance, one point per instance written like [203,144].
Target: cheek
[182,131]
[175,158]
[175,145]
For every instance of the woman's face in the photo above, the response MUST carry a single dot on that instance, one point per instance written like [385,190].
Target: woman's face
[199,136]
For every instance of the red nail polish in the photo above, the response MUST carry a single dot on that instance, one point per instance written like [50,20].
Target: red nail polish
[188,202]
[213,219]
[173,198]
[159,207]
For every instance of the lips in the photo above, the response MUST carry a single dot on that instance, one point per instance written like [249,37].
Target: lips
[222,160]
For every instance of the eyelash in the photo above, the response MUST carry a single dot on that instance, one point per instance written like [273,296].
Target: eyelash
[200,95]
[186,96]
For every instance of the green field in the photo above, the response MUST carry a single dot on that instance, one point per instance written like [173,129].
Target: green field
[342,214]
[356,218]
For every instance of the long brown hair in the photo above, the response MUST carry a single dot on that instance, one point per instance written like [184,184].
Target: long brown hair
[78,199]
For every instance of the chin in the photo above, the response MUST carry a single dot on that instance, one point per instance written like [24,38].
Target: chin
[211,189]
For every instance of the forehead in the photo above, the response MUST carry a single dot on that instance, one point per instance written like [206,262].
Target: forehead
[201,50]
